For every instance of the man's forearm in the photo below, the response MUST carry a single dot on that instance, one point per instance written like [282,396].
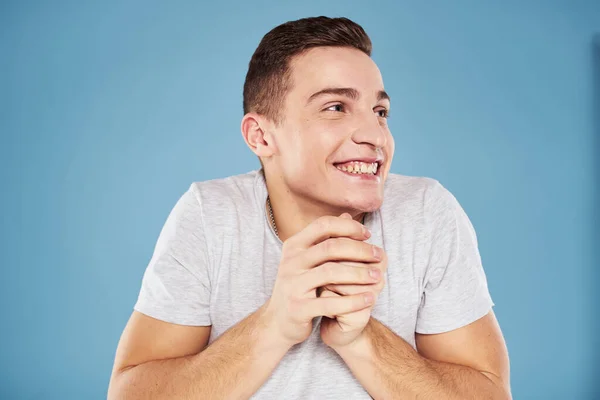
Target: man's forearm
[234,367]
[389,368]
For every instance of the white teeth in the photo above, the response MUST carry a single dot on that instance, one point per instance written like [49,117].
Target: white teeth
[359,168]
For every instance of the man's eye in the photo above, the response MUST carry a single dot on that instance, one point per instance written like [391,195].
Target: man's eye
[383,113]
[336,107]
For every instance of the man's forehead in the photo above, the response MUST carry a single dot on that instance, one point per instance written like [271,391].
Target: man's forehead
[343,71]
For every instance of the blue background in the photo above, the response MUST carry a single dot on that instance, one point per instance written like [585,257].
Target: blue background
[109,110]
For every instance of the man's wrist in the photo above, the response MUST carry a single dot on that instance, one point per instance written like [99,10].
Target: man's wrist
[358,347]
[269,333]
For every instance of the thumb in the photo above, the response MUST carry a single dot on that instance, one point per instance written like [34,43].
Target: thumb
[346,215]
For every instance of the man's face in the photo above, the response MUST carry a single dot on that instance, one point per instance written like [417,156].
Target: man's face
[334,113]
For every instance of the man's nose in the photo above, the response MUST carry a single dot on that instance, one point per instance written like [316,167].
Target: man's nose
[370,131]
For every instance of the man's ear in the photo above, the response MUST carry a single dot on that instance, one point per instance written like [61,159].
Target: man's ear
[255,130]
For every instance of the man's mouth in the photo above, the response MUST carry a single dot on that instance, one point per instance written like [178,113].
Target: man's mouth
[358,167]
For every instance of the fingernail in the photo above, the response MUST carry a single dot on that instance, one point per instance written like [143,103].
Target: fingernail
[375,273]
[368,298]
[377,252]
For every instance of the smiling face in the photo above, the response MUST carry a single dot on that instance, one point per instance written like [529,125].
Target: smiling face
[335,114]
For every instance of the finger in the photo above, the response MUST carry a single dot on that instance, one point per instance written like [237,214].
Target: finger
[338,249]
[382,264]
[327,227]
[336,273]
[324,306]
[327,293]
[346,290]
[361,264]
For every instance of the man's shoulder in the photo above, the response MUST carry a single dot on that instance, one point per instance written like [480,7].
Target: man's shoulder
[405,188]
[228,189]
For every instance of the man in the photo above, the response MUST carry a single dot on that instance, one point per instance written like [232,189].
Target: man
[321,275]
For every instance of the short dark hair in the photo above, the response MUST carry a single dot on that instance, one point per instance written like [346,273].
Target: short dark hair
[268,78]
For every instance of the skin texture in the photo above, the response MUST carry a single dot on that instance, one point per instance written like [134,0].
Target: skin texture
[316,208]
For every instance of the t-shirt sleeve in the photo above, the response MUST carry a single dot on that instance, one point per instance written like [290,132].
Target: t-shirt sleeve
[455,291]
[176,286]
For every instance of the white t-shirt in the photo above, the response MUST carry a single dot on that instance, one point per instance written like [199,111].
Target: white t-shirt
[217,256]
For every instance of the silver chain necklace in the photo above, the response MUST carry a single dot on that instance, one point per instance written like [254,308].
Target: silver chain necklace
[272,217]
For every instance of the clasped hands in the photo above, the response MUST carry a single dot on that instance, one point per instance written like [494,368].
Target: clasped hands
[328,270]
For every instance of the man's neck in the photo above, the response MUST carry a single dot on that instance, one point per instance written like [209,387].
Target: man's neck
[292,214]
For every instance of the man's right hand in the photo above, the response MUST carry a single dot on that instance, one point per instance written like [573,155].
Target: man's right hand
[311,259]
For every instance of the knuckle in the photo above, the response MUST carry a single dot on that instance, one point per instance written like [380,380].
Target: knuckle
[359,275]
[330,245]
[359,301]
[363,274]
[368,250]
[327,308]
[328,271]
[287,251]
[343,244]
[324,223]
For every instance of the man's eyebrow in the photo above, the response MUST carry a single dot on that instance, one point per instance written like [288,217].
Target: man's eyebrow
[382,95]
[347,92]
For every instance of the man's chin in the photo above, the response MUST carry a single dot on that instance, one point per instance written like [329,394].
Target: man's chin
[362,204]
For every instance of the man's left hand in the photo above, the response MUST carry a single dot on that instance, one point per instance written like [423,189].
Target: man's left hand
[341,330]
